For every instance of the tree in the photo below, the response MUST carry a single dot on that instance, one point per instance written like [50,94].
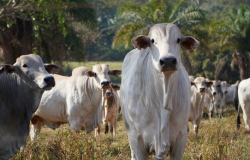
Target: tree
[235,37]
[43,27]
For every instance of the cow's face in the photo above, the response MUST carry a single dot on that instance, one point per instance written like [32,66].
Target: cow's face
[215,87]
[164,41]
[101,73]
[31,69]
[224,87]
[108,93]
[200,83]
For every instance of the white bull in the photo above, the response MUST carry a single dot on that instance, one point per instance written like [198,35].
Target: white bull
[218,97]
[155,93]
[21,89]
[198,93]
[76,100]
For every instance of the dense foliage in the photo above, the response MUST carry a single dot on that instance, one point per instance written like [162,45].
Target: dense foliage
[101,30]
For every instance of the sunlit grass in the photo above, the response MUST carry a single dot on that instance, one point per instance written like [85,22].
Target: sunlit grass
[218,138]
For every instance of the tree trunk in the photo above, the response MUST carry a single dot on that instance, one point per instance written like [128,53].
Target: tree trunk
[16,41]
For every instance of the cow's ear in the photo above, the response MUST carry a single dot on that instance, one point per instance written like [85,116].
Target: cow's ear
[189,43]
[91,74]
[116,87]
[115,72]
[140,42]
[192,83]
[8,68]
[52,68]
[208,84]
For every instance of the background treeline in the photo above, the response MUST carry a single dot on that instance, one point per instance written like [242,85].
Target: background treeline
[101,30]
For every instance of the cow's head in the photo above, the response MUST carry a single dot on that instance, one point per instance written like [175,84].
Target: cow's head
[33,72]
[101,73]
[164,41]
[224,86]
[215,87]
[200,83]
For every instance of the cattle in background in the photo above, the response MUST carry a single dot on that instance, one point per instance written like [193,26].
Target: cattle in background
[76,100]
[110,110]
[208,101]
[232,95]
[155,93]
[244,102]
[21,89]
[198,92]
[218,98]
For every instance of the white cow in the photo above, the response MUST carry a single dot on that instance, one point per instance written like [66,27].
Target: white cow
[208,100]
[21,89]
[198,92]
[155,93]
[218,98]
[76,100]
[110,110]
[244,102]
[232,95]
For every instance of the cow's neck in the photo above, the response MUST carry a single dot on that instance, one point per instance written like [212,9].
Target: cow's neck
[17,99]
[156,87]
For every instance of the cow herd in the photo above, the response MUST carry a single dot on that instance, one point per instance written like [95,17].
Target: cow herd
[157,98]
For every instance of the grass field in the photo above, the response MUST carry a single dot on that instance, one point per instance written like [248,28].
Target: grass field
[218,139]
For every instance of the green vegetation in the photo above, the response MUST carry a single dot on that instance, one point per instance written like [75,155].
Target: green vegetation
[217,139]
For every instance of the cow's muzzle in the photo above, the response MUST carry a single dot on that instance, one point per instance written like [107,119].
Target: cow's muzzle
[108,93]
[168,64]
[105,84]
[50,82]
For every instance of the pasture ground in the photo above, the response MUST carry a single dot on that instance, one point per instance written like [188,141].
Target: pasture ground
[217,139]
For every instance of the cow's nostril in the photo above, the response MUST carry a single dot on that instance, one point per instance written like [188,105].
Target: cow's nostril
[162,63]
[174,62]
[50,81]
[46,79]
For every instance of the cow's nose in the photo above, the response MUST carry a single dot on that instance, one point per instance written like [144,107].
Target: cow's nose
[50,81]
[105,83]
[202,89]
[108,93]
[168,63]
[225,92]
[214,93]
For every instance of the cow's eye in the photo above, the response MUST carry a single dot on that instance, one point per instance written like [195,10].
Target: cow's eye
[218,85]
[152,40]
[25,66]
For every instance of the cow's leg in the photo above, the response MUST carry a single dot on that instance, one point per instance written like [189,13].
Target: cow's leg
[35,128]
[138,150]
[75,124]
[177,150]
[216,109]
[222,111]
[97,130]
[113,126]
[245,109]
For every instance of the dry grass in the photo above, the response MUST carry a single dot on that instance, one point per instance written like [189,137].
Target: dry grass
[217,139]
